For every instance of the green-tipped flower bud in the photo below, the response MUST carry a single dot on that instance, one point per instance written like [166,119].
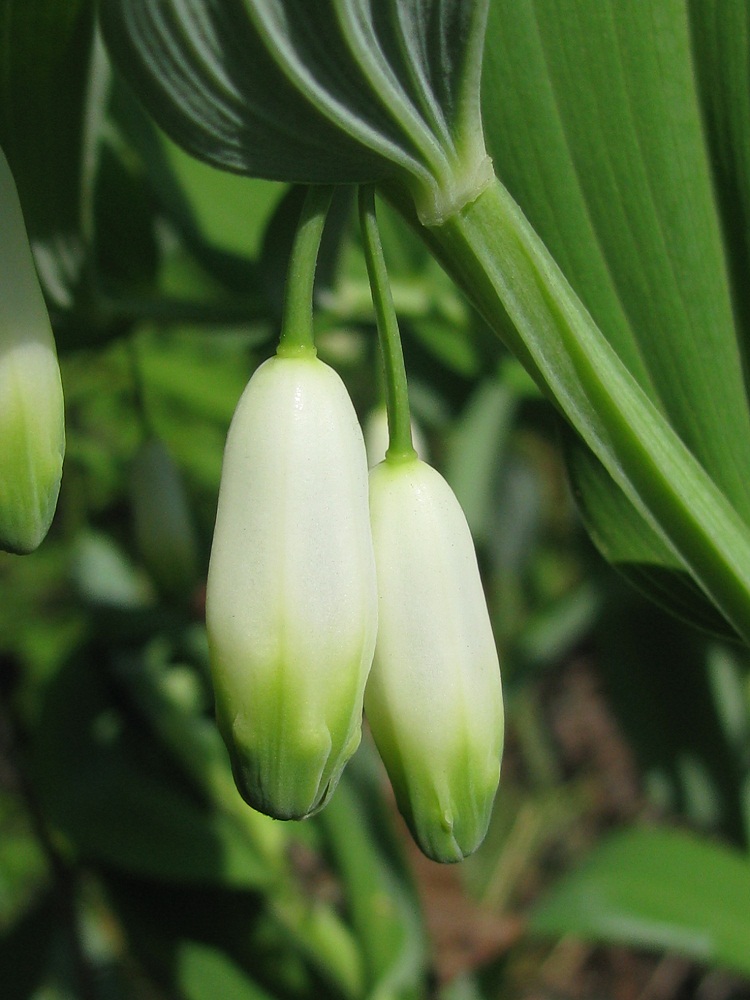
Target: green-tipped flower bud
[291,605]
[32,423]
[433,698]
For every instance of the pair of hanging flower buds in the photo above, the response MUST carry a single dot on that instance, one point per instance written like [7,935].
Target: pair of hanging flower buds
[324,594]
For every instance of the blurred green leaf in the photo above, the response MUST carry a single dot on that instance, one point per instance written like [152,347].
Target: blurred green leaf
[451,343]
[231,211]
[657,889]
[204,973]
[23,866]
[221,217]
[104,576]
[164,920]
[163,526]
[476,451]
[382,902]
[45,53]
[25,948]
[553,630]
[108,788]
[656,674]
[126,247]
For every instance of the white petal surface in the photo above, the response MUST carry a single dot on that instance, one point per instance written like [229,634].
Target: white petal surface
[291,603]
[433,698]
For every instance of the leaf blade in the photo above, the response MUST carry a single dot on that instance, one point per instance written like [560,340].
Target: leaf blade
[657,888]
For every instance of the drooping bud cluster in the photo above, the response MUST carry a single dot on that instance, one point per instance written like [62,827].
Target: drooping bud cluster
[293,609]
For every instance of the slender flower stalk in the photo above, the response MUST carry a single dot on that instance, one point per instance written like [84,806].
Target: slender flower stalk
[32,419]
[433,698]
[297,338]
[396,387]
[291,605]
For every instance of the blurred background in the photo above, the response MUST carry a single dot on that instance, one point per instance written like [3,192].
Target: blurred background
[615,865]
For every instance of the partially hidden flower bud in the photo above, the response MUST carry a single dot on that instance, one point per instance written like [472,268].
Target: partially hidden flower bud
[433,698]
[32,422]
[376,436]
[291,604]
[163,527]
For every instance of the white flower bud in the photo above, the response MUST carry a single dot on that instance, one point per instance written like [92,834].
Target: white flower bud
[32,421]
[291,605]
[433,698]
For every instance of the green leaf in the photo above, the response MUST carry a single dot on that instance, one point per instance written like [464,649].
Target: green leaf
[126,248]
[204,74]
[595,125]
[610,165]
[656,675]
[627,541]
[657,889]
[25,948]
[220,216]
[380,897]
[343,91]
[203,973]
[475,452]
[721,37]
[23,866]
[107,787]
[45,50]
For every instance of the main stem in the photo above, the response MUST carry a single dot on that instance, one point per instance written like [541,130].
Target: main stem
[400,446]
[493,253]
[297,339]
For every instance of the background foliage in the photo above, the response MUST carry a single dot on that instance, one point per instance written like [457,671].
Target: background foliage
[128,864]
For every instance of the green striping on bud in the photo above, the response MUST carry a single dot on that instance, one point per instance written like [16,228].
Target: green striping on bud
[291,604]
[433,698]
[32,421]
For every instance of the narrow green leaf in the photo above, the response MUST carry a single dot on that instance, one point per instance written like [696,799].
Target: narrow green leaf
[381,900]
[475,452]
[203,973]
[657,889]
[105,785]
